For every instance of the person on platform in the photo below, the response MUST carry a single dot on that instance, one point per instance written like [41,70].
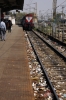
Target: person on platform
[9,25]
[2,29]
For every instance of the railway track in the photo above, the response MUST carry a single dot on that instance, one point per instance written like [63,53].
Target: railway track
[56,44]
[54,65]
[51,38]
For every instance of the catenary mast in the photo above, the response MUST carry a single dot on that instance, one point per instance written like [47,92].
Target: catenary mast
[54,8]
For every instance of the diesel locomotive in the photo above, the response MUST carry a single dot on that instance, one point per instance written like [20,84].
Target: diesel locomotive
[27,22]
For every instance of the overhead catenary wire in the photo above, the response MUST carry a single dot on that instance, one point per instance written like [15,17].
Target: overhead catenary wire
[56,6]
[61,3]
[31,1]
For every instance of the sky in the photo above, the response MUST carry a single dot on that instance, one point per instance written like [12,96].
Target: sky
[42,5]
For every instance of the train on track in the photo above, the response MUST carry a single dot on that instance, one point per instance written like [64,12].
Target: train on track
[27,22]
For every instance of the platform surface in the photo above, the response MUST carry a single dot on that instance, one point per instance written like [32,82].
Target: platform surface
[15,82]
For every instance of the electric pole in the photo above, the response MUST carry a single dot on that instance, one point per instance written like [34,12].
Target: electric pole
[63,6]
[62,12]
[36,8]
[54,8]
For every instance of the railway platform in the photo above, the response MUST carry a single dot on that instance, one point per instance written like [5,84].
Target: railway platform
[15,82]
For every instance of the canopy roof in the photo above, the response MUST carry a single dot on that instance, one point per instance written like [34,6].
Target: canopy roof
[7,5]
